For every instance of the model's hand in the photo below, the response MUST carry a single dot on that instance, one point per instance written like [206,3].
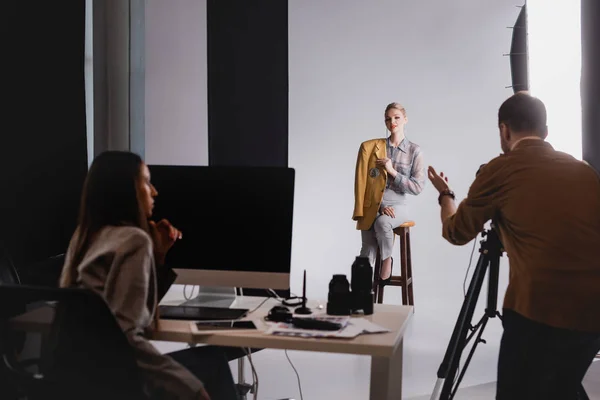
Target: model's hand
[389,211]
[387,164]
[164,236]
[440,182]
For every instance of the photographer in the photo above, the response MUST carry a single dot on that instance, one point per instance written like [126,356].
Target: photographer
[545,206]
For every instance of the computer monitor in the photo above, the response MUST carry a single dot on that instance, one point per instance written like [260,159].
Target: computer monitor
[236,223]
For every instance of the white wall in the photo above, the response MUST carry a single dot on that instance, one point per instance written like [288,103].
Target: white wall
[347,60]
[176,101]
[443,61]
[176,115]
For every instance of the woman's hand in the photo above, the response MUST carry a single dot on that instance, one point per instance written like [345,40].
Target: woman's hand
[204,395]
[387,164]
[389,211]
[164,236]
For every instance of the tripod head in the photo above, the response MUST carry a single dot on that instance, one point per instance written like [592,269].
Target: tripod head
[492,246]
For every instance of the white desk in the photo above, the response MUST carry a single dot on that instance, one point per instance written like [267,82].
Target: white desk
[385,349]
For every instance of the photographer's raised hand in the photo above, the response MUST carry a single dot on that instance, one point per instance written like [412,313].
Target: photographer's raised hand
[440,182]
[446,199]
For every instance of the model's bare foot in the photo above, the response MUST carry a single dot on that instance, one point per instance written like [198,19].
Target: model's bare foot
[386,268]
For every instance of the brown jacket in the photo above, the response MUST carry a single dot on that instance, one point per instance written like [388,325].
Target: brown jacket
[119,266]
[546,206]
[369,183]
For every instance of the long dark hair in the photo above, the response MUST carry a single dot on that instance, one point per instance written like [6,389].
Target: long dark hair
[110,198]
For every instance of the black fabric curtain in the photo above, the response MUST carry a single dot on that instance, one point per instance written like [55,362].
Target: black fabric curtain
[590,81]
[247,82]
[43,146]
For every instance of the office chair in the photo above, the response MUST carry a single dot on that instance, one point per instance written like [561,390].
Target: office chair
[43,273]
[8,272]
[84,347]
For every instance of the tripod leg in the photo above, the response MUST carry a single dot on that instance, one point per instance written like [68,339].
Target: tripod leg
[493,276]
[449,366]
[481,326]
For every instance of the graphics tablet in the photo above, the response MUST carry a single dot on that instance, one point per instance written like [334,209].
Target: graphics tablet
[191,313]
[222,326]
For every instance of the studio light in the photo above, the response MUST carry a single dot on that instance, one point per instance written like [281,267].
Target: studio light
[554,47]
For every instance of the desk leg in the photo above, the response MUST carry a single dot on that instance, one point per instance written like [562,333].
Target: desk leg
[386,376]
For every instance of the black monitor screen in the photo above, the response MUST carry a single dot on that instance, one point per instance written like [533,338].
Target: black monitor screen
[231,218]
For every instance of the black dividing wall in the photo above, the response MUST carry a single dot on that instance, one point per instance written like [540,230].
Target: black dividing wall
[248,85]
[247,82]
[43,153]
[590,81]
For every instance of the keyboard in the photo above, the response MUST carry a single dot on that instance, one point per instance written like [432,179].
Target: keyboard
[194,313]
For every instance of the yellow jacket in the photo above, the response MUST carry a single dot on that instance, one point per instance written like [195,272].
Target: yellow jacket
[369,183]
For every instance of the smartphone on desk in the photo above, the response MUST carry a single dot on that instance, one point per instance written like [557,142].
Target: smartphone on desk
[222,326]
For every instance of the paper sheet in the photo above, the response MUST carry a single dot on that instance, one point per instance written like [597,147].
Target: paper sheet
[351,328]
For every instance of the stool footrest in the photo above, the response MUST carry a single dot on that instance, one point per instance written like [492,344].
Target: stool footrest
[404,281]
[394,281]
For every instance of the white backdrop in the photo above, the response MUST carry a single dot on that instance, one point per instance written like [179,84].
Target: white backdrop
[347,60]
[444,62]
[176,93]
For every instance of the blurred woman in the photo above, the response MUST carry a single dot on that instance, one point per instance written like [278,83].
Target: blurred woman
[117,252]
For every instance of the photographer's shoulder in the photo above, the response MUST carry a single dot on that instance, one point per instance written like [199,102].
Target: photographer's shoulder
[495,173]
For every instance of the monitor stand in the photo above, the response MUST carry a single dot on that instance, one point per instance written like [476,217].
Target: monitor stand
[221,297]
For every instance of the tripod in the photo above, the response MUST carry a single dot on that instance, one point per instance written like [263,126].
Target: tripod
[491,251]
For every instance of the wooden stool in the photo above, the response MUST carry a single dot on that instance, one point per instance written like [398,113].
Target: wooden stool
[404,280]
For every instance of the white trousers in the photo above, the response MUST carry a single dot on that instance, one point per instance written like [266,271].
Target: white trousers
[381,234]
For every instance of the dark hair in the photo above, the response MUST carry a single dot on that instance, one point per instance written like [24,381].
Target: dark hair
[523,113]
[109,198]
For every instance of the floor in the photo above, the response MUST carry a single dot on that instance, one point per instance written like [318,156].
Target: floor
[348,378]
[334,376]
[487,391]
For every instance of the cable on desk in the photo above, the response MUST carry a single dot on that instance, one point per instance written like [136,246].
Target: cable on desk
[287,301]
[185,294]
[297,374]
[260,305]
[254,374]
[274,294]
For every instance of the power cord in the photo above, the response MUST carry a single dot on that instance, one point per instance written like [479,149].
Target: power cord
[287,302]
[470,261]
[278,298]
[254,374]
[260,305]
[297,374]
[274,294]
[185,293]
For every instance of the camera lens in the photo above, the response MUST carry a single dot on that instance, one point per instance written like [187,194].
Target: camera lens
[338,300]
[362,275]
